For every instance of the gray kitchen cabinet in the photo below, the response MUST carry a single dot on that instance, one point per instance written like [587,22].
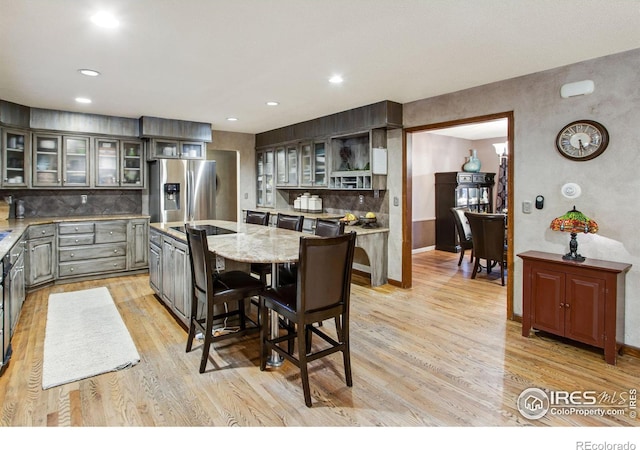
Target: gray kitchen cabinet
[176,277]
[16,158]
[16,284]
[40,257]
[61,160]
[155,262]
[88,248]
[287,166]
[313,164]
[175,149]
[265,195]
[138,231]
[119,163]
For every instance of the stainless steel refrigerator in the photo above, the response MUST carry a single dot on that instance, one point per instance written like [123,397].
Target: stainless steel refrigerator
[182,190]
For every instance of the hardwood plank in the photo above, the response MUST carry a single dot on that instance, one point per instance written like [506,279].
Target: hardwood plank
[439,354]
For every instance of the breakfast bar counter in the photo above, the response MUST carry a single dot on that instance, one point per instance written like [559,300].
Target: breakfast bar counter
[258,243]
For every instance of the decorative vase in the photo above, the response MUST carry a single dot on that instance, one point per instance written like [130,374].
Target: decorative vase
[473,163]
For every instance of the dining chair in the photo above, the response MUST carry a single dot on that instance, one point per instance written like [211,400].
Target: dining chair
[324,228]
[488,232]
[212,290]
[288,222]
[322,291]
[465,239]
[258,217]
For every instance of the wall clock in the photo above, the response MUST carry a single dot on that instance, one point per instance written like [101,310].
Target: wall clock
[582,140]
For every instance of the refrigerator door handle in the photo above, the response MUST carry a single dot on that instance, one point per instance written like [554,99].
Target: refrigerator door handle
[190,199]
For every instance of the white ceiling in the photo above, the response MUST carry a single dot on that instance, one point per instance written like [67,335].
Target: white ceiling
[206,60]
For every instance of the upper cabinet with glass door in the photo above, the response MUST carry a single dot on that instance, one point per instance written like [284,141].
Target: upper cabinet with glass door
[119,163]
[174,149]
[132,161]
[15,158]
[75,155]
[47,157]
[287,166]
[264,186]
[313,164]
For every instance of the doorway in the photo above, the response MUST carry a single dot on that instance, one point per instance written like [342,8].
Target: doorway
[446,145]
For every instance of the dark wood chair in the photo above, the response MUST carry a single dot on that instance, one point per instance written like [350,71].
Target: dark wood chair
[322,292]
[463,230]
[285,221]
[489,234]
[211,289]
[258,217]
[324,228]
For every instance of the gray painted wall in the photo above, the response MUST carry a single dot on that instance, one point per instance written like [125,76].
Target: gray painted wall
[609,183]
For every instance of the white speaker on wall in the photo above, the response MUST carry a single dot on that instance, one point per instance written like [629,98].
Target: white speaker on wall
[576,88]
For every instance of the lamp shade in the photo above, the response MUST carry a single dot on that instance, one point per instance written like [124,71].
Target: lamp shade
[574,222]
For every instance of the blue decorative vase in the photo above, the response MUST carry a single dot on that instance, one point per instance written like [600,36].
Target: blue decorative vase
[473,163]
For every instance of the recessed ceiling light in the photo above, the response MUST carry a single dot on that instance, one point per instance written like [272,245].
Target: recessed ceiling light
[83,100]
[232,119]
[336,79]
[89,72]
[105,19]
[272,103]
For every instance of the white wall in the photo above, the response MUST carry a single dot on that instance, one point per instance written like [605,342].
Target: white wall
[609,183]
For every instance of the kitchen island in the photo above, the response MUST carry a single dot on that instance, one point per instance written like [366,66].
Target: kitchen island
[373,241]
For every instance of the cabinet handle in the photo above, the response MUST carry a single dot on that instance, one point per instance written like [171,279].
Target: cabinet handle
[72,255]
[110,232]
[71,270]
[76,228]
[76,240]
[567,305]
[115,251]
[44,231]
[561,305]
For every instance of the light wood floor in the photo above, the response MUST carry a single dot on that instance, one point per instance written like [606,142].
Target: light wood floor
[439,354]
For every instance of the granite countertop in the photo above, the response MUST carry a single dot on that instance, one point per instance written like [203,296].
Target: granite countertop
[252,243]
[307,215]
[241,227]
[17,227]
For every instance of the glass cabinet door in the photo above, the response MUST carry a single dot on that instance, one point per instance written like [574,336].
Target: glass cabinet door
[76,161]
[292,165]
[194,150]
[269,198]
[16,158]
[47,157]
[107,163]
[260,178]
[319,164]
[306,165]
[165,149]
[132,164]
[281,166]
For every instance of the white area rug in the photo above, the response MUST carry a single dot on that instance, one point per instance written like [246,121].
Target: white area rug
[85,336]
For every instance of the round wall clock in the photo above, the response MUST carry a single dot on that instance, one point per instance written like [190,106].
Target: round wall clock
[582,140]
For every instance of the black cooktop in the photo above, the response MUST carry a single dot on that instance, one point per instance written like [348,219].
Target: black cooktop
[211,230]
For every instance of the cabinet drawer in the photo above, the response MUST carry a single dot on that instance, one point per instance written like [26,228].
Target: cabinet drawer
[77,239]
[75,228]
[92,252]
[67,269]
[115,231]
[465,178]
[38,231]
[155,238]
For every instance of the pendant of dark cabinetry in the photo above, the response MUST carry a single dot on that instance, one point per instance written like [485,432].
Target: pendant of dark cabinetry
[473,190]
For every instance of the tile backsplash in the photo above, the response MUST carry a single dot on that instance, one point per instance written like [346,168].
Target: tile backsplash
[345,201]
[50,203]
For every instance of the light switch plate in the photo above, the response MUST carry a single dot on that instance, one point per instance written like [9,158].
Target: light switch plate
[526,207]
